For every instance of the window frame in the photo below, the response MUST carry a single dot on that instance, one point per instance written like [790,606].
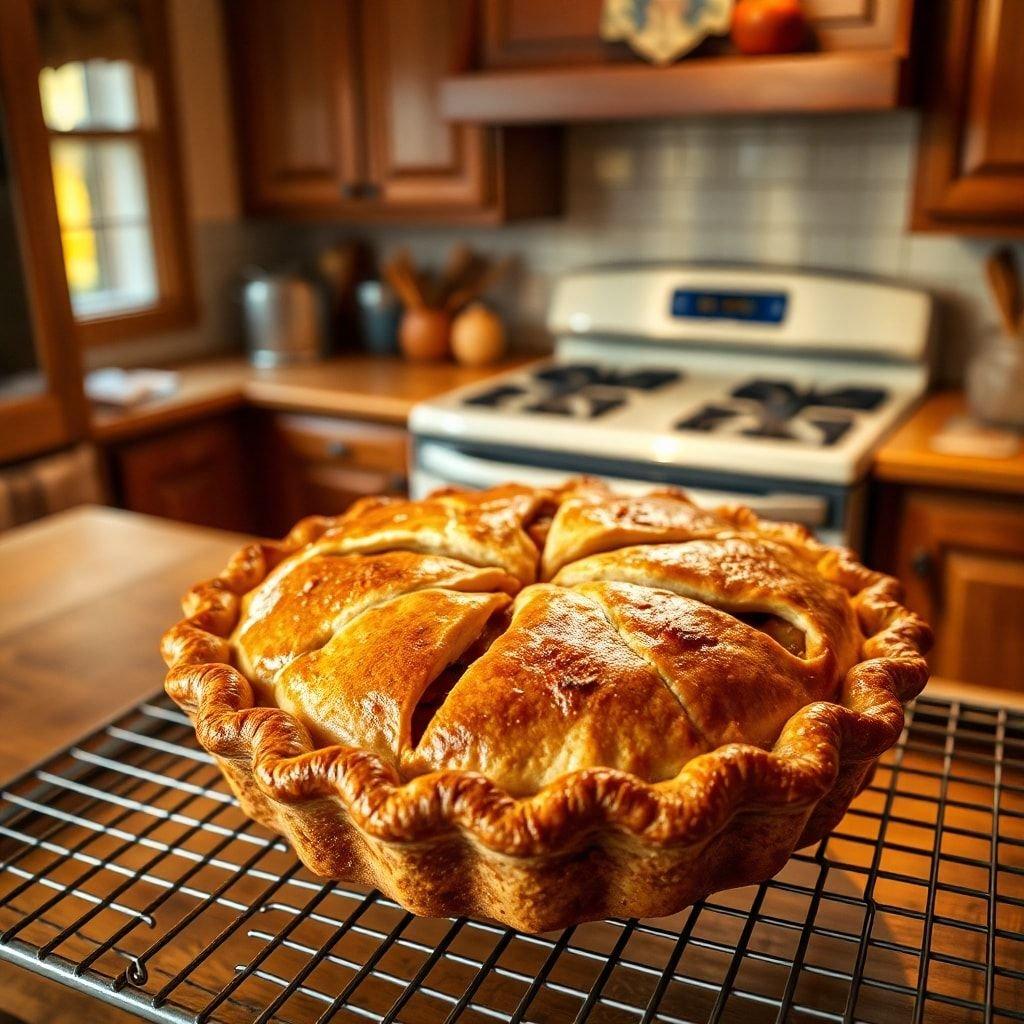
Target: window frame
[170,225]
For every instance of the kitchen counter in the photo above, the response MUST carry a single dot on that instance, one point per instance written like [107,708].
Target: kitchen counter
[907,458]
[383,389]
[87,594]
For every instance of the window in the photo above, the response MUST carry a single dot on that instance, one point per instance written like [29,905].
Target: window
[105,100]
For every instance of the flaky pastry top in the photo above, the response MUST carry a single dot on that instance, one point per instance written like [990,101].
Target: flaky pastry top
[540,641]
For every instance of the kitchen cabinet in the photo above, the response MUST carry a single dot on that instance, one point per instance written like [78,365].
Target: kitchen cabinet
[538,33]
[970,175]
[195,474]
[321,464]
[338,115]
[297,90]
[961,558]
[540,62]
[952,528]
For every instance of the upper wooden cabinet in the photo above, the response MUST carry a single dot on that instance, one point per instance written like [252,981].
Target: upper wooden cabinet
[540,62]
[298,101]
[414,158]
[971,167]
[538,33]
[338,111]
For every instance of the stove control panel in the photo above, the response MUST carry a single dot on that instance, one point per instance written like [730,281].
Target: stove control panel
[743,307]
[749,307]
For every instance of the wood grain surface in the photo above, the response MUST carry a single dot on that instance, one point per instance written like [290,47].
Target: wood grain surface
[86,595]
[907,457]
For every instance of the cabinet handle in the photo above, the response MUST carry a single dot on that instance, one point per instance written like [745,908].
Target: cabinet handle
[360,190]
[922,563]
[338,449]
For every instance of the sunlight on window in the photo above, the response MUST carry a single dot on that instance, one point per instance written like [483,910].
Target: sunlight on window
[63,93]
[93,94]
[74,206]
[100,185]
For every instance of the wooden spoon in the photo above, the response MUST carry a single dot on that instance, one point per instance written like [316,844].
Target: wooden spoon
[401,275]
[460,261]
[490,276]
[1001,270]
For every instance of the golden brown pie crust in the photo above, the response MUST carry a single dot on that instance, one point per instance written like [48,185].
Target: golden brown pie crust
[546,706]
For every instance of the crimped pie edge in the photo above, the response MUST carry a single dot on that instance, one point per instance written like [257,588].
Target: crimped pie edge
[797,773]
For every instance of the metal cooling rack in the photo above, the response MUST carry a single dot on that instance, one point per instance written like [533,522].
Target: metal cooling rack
[127,870]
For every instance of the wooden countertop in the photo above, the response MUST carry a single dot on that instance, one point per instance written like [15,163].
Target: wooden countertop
[86,596]
[907,457]
[365,387]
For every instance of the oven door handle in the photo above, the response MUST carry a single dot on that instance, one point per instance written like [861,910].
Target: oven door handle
[450,466]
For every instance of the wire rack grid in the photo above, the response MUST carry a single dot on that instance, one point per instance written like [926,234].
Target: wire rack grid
[127,870]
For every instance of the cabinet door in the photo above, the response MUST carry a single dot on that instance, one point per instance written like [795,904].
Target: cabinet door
[416,158]
[319,465]
[196,474]
[538,33]
[296,86]
[971,163]
[963,565]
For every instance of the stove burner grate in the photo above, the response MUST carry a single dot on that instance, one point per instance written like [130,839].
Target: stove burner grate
[707,419]
[577,405]
[789,399]
[574,376]
[493,397]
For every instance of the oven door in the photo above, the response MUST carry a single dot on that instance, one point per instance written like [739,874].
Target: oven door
[439,465]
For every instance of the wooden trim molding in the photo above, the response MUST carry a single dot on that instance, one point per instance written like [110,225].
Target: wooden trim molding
[58,415]
[856,80]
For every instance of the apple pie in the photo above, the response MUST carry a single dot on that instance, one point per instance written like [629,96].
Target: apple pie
[545,706]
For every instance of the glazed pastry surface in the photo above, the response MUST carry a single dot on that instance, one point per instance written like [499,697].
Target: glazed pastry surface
[659,631]
[546,706]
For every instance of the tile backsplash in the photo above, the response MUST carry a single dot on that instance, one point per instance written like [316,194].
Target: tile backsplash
[820,192]
[828,193]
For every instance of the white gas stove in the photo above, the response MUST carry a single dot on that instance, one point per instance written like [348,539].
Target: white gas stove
[769,387]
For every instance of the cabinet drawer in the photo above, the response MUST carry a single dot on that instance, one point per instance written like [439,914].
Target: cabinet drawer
[196,474]
[961,559]
[344,442]
[320,465]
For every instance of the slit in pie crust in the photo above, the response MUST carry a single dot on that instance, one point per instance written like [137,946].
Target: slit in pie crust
[546,706]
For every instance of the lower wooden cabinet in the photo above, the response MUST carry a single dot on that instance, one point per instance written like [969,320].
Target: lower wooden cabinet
[961,559]
[196,474]
[258,471]
[321,464]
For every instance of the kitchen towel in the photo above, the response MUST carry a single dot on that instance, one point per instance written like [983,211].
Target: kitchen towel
[31,490]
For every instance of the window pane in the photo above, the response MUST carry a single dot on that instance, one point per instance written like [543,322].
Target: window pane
[126,273]
[104,215]
[110,172]
[81,261]
[96,94]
